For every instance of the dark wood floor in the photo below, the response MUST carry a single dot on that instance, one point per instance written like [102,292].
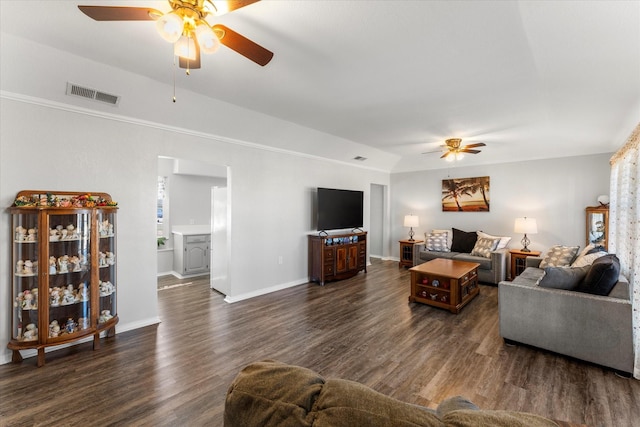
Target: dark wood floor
[362,329]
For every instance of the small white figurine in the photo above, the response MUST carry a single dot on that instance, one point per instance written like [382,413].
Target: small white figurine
[31,237]
[28,267]
[31,333]
[67,296]
[105,316]
[52,265]
[54,329]
[53,235]
[63,264]
[111,258]
[102,259]
[21,234]
[54,296]
[83,293]
[20,267]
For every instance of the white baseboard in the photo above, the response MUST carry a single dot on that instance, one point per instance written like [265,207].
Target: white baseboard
[265,291]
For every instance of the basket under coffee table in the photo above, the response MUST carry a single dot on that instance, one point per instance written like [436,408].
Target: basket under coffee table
[444,283]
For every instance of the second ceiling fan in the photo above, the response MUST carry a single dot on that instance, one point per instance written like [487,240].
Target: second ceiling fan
[186,26]
[454,150]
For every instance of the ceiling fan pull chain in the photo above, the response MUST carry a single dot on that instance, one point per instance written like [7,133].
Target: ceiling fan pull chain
[174,78]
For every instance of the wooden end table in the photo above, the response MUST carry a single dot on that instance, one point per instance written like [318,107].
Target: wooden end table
[444,283]
[406,252]
[519,261]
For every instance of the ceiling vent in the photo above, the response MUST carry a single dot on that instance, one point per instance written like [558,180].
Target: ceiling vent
[96,95]
[360,158]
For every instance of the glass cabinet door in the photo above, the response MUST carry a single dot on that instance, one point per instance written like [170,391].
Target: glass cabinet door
[107,309]
[69,271]
[25,277]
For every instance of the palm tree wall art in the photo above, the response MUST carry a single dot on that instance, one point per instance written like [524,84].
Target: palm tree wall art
[465,194]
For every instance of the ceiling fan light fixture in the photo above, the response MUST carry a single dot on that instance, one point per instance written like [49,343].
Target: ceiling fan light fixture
[170,27]
[185,47]
[209,42]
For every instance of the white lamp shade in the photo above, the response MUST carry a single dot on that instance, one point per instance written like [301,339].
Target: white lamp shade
[525,226]
[207,39]
[411,221]
[170,27]
[185,48]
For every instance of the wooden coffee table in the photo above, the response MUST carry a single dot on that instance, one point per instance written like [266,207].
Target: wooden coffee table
[444,283]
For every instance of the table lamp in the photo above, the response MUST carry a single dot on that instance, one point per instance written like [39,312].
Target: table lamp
[527,226]
[411,221]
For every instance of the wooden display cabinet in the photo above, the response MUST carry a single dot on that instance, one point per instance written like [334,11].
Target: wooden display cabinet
[598,226]
[337,257]
[63,269]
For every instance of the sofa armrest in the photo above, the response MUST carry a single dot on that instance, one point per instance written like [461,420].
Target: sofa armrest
[499,261]
[417,248]
[532,261]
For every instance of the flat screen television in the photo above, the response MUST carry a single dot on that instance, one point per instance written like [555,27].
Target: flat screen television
[339,209]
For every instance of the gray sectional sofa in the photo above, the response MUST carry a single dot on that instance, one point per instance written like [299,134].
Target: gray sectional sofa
[492,270]
[589,327]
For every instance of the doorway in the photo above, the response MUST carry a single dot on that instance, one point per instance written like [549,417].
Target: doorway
[379,217]
[187,217]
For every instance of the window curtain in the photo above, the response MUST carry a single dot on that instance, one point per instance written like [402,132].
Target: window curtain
[624,218]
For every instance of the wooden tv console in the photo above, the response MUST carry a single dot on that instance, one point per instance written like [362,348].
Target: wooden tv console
[337,256]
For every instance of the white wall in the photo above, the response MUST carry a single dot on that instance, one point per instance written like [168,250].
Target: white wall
[48,147]
[554,191]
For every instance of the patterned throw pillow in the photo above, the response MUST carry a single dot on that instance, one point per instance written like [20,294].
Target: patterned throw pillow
[504,241]
[437,242]
[559,256]
[588,259]
[484,246]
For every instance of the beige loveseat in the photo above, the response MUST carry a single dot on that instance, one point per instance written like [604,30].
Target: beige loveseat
[273,394]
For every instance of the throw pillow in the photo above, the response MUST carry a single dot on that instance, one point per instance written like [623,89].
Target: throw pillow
[463,241]
[559,256]
[583,260]
[484,247]
[504,241]
[437,242]
[568,278]
[602,277]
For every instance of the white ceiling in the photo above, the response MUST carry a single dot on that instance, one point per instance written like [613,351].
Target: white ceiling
[531,79]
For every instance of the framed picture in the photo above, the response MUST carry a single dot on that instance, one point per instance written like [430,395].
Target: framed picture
[465,194]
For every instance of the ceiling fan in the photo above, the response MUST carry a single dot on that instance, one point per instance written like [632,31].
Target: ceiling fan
[187,27]
[454,150]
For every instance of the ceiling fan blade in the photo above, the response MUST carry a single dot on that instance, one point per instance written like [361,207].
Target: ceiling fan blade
[477,144]
[445,154]
[191,64]
[237,4]
[120,13]
[243,45]
[465,150]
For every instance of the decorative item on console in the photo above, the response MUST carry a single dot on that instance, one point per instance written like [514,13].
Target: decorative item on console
[51,200]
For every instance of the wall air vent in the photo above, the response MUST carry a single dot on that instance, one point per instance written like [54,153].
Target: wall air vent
[360,158]
[96,95]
